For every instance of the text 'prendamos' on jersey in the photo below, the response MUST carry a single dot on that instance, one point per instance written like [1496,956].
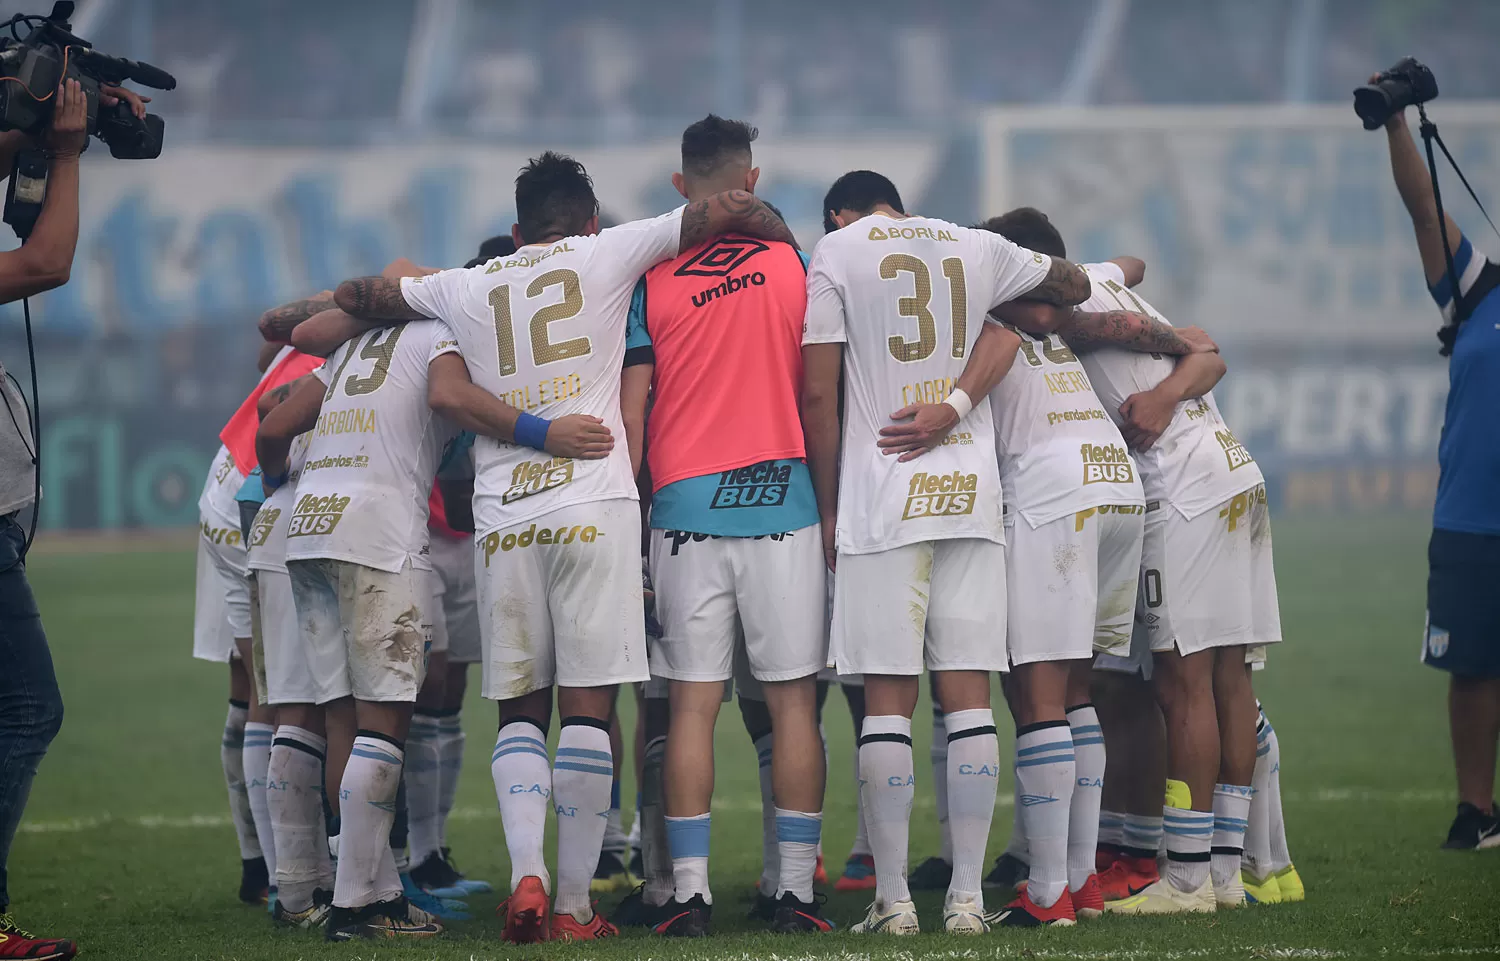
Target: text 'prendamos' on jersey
[371,457]
[1197,464]
[908,298]
[1059,452]
[544,330]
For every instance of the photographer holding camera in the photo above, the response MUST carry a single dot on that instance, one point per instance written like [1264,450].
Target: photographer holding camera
[30,705]
[1463,604]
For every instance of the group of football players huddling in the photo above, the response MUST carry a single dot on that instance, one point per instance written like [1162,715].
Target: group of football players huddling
[682,455]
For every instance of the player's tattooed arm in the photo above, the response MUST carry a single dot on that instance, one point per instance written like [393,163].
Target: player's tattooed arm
[918,428]
[377,299]
[1086,330]
[296,415]
[1066,284]
[452,393]
[732,211]
[276,396]
[323,332]
[277,324]
[1145,415]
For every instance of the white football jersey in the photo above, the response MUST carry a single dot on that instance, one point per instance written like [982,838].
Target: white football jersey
[908,299]
[1059,452]
[1197,464]
[544,330]
[362,494]
[267,543]
[224,477]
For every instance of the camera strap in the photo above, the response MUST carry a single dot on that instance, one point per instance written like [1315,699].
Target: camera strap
[1429,135]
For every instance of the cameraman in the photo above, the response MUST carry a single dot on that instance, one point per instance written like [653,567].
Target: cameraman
[30,705]
[1463,605]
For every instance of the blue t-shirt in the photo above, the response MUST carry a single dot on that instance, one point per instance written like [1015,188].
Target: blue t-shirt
[1469,450]
[252,491]
[771,497]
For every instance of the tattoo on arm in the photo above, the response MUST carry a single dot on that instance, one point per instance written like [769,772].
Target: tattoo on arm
[732,211]
[1122,328]
[276,324]
[375,298]
[1065,285]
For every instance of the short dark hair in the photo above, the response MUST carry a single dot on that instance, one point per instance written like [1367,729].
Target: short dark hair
[711,142]
[861,191]
[498,246]
[1028,227]
[554,195]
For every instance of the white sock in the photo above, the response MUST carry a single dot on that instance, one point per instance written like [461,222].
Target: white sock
[861,846]
[423,775]
[294,794]
[1281,856]
[1142,835]
[1257,856]
[366,872]
[1088,790]
[770,852]
[1016,846]
[450,746]
[971,773]
[656,853]
[797,837]
[1190,836]
[1045,775]
[582,774]
[615,839]
[257,752]
[937,756]
[887,785]
[523,783]
[1111,828]
[688,839]
[1231,818]
[232,757]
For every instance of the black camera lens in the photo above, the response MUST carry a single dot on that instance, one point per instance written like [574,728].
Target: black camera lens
[1408,82]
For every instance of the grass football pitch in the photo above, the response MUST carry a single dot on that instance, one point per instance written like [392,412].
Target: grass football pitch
[127,846]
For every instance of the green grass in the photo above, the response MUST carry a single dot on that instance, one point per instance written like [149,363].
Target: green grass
[1366,773]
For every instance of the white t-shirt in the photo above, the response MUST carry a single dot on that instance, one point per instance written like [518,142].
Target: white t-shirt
[224,477]
[1059,452]
[908,299]
[362,494]
[1197,464]
[267,543]
[544,330]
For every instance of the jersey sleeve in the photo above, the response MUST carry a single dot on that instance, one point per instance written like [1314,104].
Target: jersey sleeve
[443,342]
[434,294]
[1014,270]
[824,321]
[1107,271]
[638,347]
[1469,264]
[635,247]
[324,372]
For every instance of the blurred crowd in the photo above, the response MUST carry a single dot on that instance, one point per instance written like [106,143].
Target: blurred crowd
[338,71]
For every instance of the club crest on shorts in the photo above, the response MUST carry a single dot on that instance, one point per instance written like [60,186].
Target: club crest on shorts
[1436,641]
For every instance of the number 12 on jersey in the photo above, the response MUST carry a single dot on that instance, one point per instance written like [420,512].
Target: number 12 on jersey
[919,306]
[543,350]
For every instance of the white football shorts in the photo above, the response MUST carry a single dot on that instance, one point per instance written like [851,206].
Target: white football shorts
[1210,582]
[364,629]
[283,672]
[560,600]
[1072,583]
[768,590]
[455,624]
[933,604]
[222,595]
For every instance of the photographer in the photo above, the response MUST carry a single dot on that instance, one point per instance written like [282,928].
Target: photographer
[30,705]
[1463,606]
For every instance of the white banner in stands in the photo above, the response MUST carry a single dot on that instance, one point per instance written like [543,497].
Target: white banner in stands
[1262,224]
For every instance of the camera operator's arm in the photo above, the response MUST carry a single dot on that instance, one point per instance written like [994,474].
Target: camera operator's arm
[12,142]
[46,259]
[1415,186]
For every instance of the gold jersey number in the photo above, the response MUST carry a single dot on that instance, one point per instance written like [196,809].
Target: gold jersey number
[543,349]
[919,306]
[377,345]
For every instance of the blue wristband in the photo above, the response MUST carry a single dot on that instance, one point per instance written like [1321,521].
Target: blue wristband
[531,431]
[274,482]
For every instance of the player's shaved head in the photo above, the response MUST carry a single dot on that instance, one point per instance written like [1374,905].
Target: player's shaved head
[859,191]
[1028,227]
[554,197]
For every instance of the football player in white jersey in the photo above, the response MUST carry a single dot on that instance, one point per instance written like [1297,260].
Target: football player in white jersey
[897,304]
[1208,594]
[557,539]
